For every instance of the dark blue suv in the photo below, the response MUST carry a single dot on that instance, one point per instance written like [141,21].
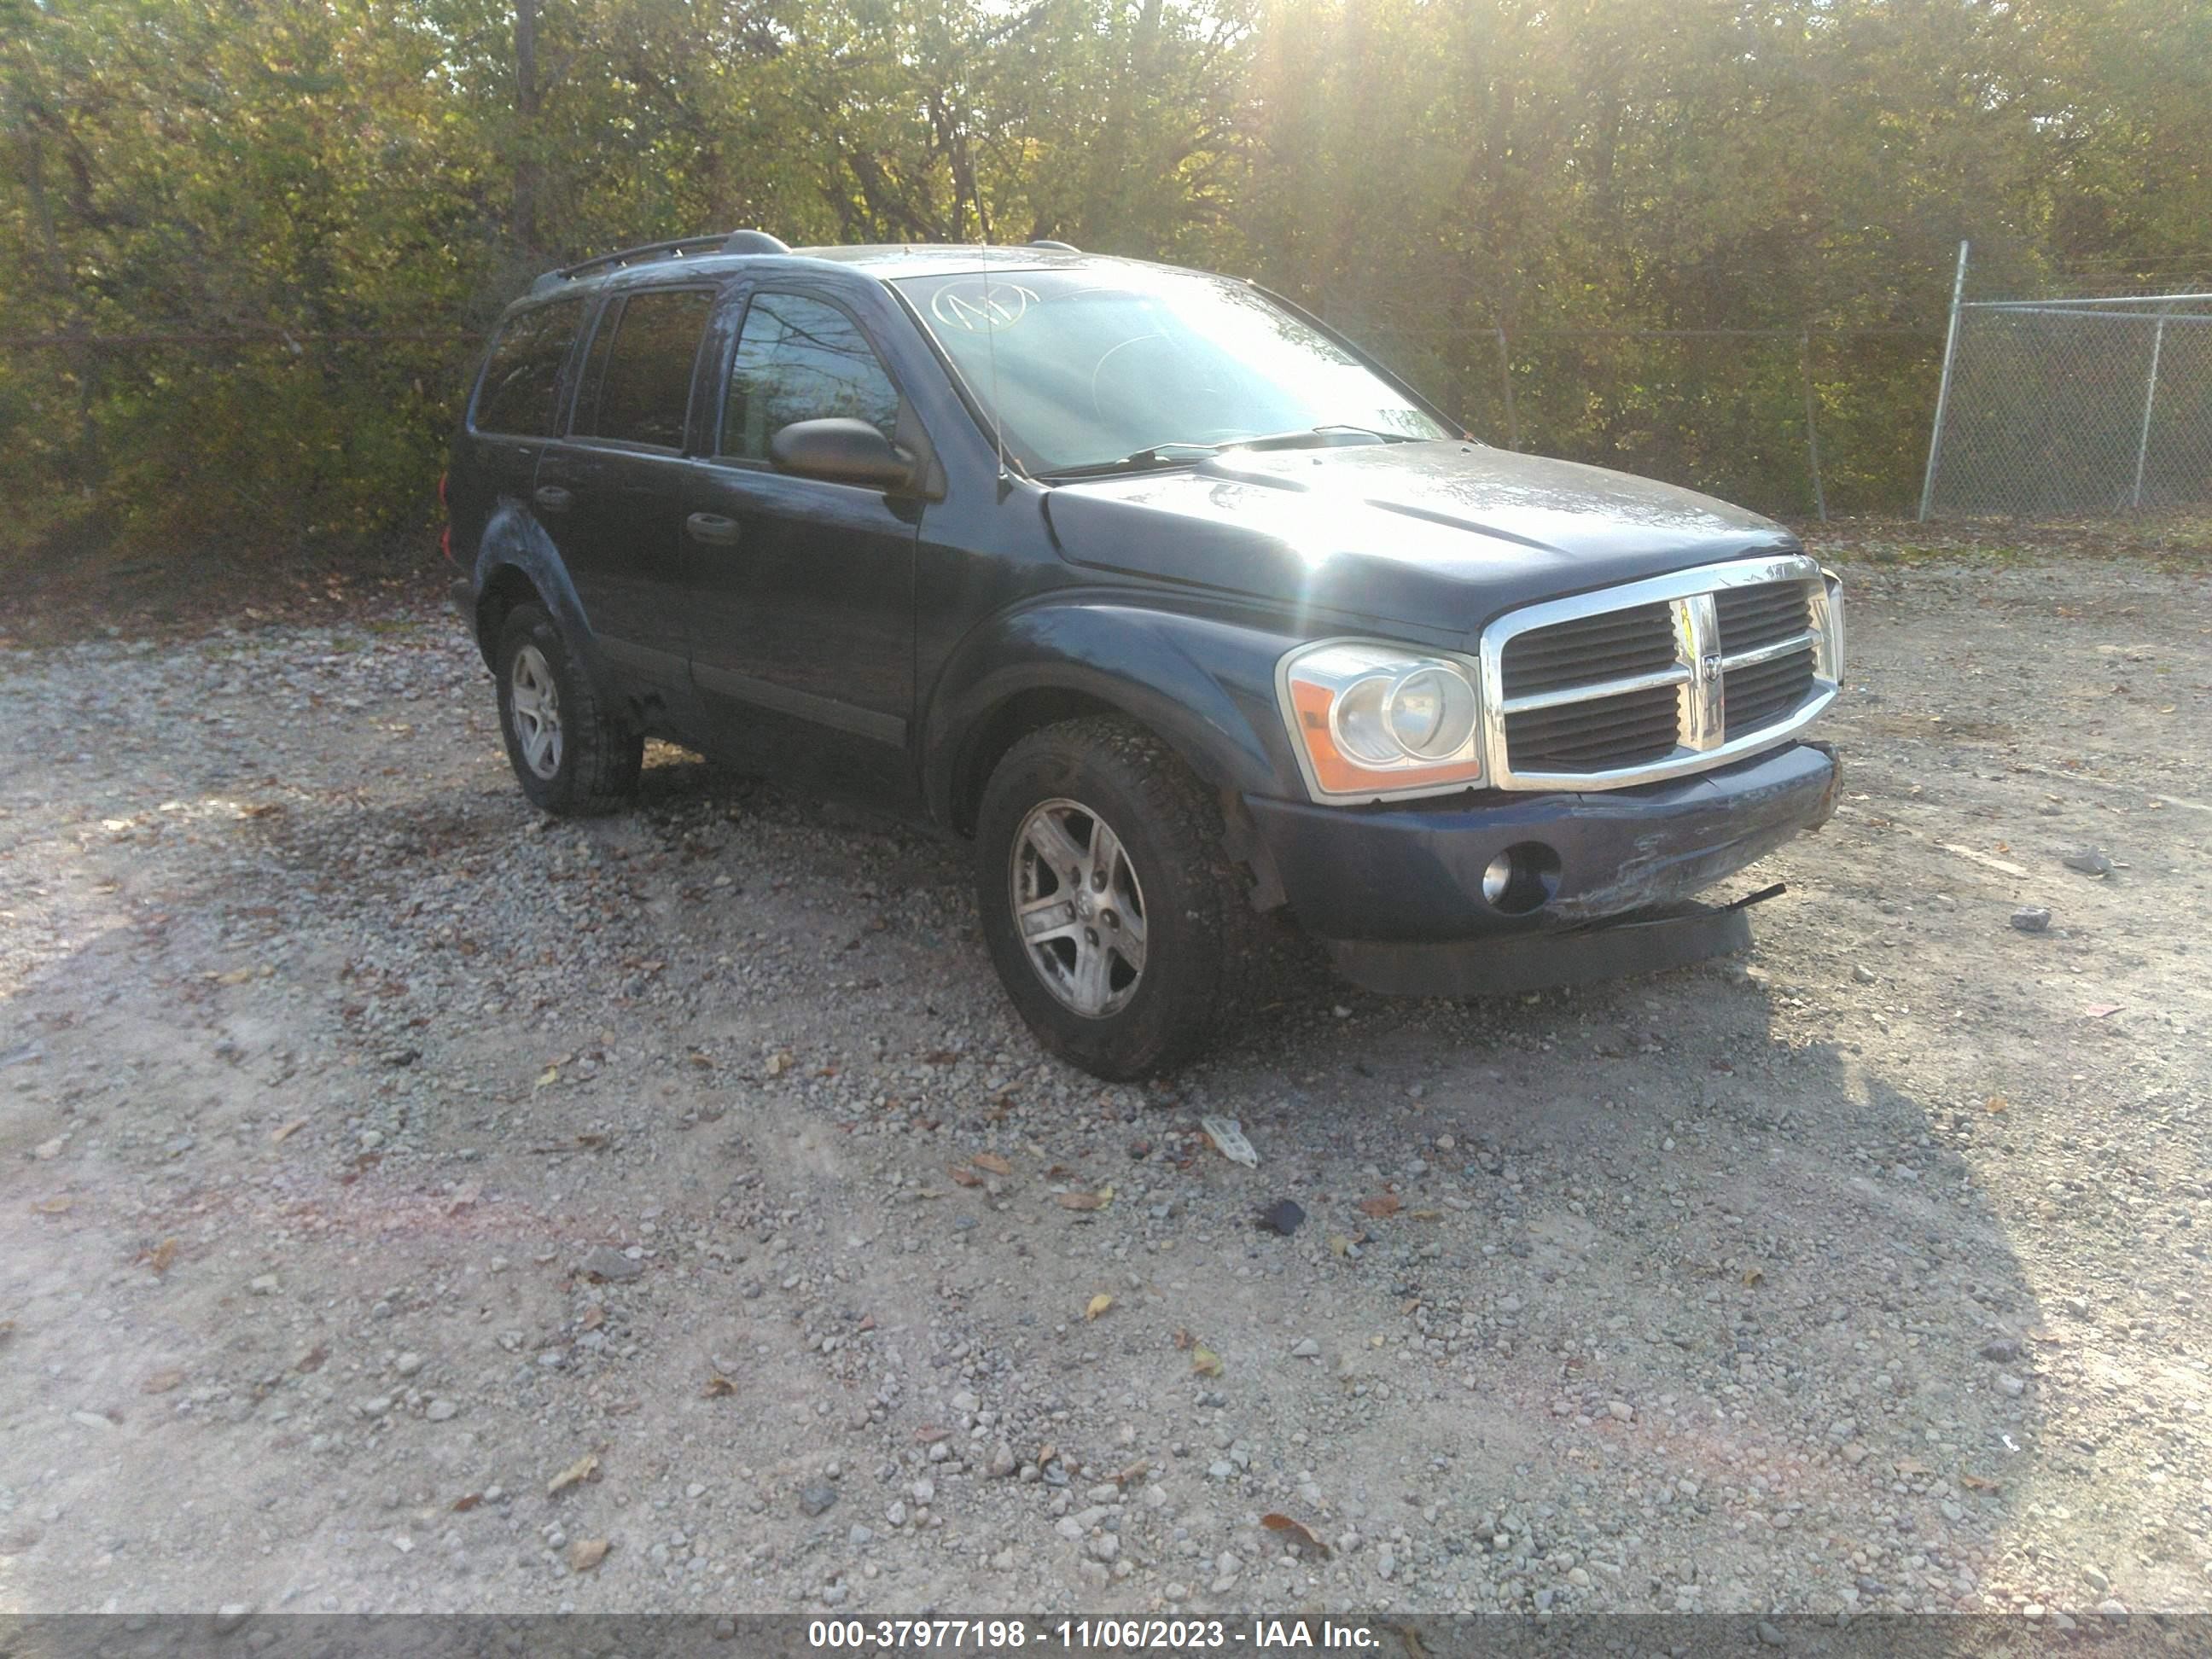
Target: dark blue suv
[1170,600]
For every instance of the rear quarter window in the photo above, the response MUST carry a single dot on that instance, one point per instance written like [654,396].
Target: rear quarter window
[523,372]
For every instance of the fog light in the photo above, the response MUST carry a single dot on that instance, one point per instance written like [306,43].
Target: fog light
[1497,878]
[1521,878]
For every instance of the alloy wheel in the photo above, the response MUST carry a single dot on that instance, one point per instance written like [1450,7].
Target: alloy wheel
[534,699]
[1079,908]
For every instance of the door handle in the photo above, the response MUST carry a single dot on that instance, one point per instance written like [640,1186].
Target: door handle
[552,498]
[712,529]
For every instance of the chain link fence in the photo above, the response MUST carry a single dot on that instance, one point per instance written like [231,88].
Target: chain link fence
[2048,407]
[1800,422]
[2079,405]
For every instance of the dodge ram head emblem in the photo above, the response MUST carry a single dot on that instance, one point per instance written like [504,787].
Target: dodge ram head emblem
[1709,671]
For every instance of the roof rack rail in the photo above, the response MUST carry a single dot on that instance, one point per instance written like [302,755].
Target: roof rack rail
[1057,247]
[684,247]
[755,241]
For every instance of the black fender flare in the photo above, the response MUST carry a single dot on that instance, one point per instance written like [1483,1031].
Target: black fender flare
[514,540]
[1204,681]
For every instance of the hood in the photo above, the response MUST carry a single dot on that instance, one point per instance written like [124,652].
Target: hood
[1439,534]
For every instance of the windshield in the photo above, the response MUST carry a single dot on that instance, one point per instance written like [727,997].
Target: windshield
[1092,369]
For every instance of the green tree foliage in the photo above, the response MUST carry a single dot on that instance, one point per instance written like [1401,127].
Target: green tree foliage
[262,237]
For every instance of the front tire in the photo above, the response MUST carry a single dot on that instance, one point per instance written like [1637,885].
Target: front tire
[1122,931]
[570,755]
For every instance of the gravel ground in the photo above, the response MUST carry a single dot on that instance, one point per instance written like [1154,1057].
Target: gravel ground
[412,1204]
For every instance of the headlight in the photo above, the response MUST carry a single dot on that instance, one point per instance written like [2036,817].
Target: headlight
[1371,719]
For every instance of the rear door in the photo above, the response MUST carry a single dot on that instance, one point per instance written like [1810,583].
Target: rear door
[803,638]
[610,493]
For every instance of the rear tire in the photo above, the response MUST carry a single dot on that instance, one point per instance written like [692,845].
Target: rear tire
[1122,931]
[571,756]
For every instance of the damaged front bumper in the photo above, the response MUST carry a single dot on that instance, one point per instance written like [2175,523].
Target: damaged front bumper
[1397,893]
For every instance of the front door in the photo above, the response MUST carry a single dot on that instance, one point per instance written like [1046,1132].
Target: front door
[803,624]
[610,493]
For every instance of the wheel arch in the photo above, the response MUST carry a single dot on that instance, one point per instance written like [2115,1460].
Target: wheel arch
[1202,685]
[517,563]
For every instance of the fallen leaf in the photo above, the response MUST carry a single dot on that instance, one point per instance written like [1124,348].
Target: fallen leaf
[582,1469]
[161,1255]
[1098,1201]
[717,1386]
[1136,1471]
[1046,1452]
[964,1177]
[1205,1362]
[1302,1536]
[546,1079]
[1099,1304]
[1339,1244]
[466,1502]
[991,1162]
[312,1360]
[594,1316]
[1755,1275]
[1995,1104]
[585,1553]
[1975,1483]
[1381,1205]
[779,1063]
[2100,1010]
[1184,1339]
[59,1205]
[161,1381]
[1908,1467]
[929,1434]
[1427,1215]
[284,1131]
[235,976]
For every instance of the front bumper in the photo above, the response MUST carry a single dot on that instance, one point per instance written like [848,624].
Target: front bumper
[1407,875]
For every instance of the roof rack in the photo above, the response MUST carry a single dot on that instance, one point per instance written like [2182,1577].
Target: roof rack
[687,247]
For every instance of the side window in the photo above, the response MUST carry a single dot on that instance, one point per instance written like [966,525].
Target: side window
[801,360]
[639,387]
[516,396]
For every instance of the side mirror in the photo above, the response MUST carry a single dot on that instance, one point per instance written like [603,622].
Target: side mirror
[841,451]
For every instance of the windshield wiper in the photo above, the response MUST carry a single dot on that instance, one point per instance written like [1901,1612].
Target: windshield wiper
[1170,454]
[1183,454]
[1316,437]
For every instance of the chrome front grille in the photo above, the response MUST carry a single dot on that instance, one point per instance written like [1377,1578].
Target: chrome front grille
[1613,645]
[1657,678]
[1763,615]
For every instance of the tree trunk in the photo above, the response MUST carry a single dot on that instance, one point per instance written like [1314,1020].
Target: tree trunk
[529,175]
[83,356]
